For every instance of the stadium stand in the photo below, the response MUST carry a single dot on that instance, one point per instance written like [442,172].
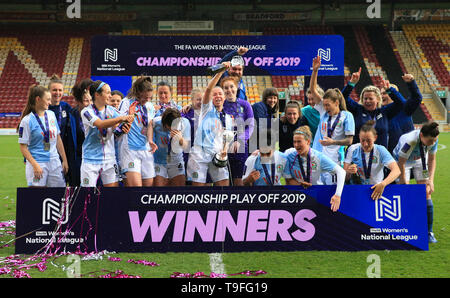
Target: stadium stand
[392,65]
[32,56]
[429,45]
[409,63]
[369,57]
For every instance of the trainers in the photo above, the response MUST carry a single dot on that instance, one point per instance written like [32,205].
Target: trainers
[431,238]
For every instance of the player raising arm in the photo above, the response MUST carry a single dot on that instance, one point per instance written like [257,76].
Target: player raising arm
[336,126]
[213,121]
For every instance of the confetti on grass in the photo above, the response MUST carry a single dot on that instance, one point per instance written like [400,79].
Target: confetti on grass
[216,275]
[16,265]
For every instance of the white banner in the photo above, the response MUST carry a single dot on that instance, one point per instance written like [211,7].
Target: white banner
[185,25]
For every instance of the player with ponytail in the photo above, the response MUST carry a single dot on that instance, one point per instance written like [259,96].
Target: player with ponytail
[40,142]
[416,151]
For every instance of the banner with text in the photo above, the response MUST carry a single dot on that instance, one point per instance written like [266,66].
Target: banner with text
[222,219]
[191,55]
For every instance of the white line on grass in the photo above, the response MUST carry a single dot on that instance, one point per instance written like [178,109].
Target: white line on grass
[441,147]
[216,263]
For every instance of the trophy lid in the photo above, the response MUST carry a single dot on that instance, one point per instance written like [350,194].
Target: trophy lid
[228,136]
[237,60]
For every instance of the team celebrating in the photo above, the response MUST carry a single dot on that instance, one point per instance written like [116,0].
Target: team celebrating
[110,139]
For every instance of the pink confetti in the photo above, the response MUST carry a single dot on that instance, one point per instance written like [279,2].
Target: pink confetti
[20,274]
[4,270]
[118,274]
[7,228]
[7,224]
[215,275]
[143,262]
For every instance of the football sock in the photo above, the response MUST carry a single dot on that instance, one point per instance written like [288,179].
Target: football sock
[430,211]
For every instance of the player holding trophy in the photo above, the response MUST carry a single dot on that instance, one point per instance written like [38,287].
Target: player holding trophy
[212,138]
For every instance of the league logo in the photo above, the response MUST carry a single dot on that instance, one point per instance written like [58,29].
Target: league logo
[386,208]
[52,210]
[111,55]
[324,54]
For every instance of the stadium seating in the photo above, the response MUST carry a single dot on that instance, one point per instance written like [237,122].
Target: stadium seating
[429,44]
[35,63]
[182,86]
[407,60]
[409,64]
[370,59]
[255,86]
[291,85]
[30,57]
[14,84]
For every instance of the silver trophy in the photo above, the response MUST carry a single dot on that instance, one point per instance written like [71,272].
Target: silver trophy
[237,60]
[220,159]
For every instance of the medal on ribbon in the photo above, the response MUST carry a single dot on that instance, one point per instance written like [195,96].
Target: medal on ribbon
[367,168]
[45,129]
[103,131]
[425,173]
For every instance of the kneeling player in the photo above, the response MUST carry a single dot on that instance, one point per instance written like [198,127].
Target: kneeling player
[172,135]
[305,165]
[266,166]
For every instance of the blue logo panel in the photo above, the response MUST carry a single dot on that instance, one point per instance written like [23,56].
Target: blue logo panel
[182,55]
[399,215]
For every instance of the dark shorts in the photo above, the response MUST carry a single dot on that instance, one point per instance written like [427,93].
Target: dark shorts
[237,162]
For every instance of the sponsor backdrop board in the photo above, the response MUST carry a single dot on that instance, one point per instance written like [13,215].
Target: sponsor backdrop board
[120,83]
[191,55]
[222,219]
